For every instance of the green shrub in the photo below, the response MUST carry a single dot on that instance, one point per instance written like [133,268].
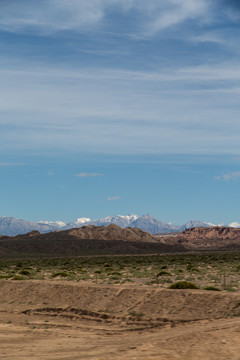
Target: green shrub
[162,273]
[62,274]
[192,268]
[18,265]
[25,272]
[213,288]
[116,273]
[183,285]
[114,277]
[127,280]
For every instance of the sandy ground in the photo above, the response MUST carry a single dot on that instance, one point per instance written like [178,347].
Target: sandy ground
[54,320]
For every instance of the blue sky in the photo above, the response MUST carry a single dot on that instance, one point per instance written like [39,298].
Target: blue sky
[117,107]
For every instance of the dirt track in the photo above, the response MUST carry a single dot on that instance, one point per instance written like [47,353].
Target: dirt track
[56,320]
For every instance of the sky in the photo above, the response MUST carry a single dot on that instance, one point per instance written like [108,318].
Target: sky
[120,106]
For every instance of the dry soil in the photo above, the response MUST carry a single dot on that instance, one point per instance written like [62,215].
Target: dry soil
[56,320]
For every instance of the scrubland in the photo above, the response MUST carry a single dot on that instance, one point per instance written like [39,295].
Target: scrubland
[221,271]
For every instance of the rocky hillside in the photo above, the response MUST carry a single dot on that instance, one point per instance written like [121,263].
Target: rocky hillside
[112,239]
[87,240]
[92,232]
[218,237]
[111,232]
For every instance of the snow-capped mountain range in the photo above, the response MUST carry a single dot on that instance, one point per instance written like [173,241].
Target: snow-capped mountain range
[11,226]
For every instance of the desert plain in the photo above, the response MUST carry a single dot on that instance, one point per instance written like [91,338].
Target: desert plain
[120,307]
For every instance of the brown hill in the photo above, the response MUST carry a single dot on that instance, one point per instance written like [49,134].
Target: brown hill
[87,240]
[112,239]
[202,238]
[92,232]
[111,232]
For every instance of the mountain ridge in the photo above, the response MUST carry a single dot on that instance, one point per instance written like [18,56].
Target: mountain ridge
[82,241]
[11,226]
[112,239]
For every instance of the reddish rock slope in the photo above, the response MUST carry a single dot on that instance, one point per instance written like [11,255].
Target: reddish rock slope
[217,237]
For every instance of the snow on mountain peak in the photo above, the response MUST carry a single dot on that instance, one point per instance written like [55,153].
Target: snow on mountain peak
[210,224]
[82,220]
[12,226]
[129,217]
[52,223]
[234,224]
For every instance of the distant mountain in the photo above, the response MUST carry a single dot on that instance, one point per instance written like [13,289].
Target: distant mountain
[194,223]
[121,220]
[154,226]
[11,226]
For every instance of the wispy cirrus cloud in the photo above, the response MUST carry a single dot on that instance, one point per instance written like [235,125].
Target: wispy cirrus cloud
[48,16]
[211,37]
[8,164]
[47,108]
[235,175]
[167,14]
[112,198]
[85,175]
[77,103]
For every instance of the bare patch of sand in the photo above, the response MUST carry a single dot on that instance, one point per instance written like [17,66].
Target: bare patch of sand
[67,321]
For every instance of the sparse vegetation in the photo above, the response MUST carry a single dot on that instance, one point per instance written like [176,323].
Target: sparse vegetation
[206,270]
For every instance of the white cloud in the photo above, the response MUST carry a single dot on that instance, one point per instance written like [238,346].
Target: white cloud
[49,15]
[119,111]
[56,15]
[112,198]
[174,12]
[228,176]
[84,175]
[211,37]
